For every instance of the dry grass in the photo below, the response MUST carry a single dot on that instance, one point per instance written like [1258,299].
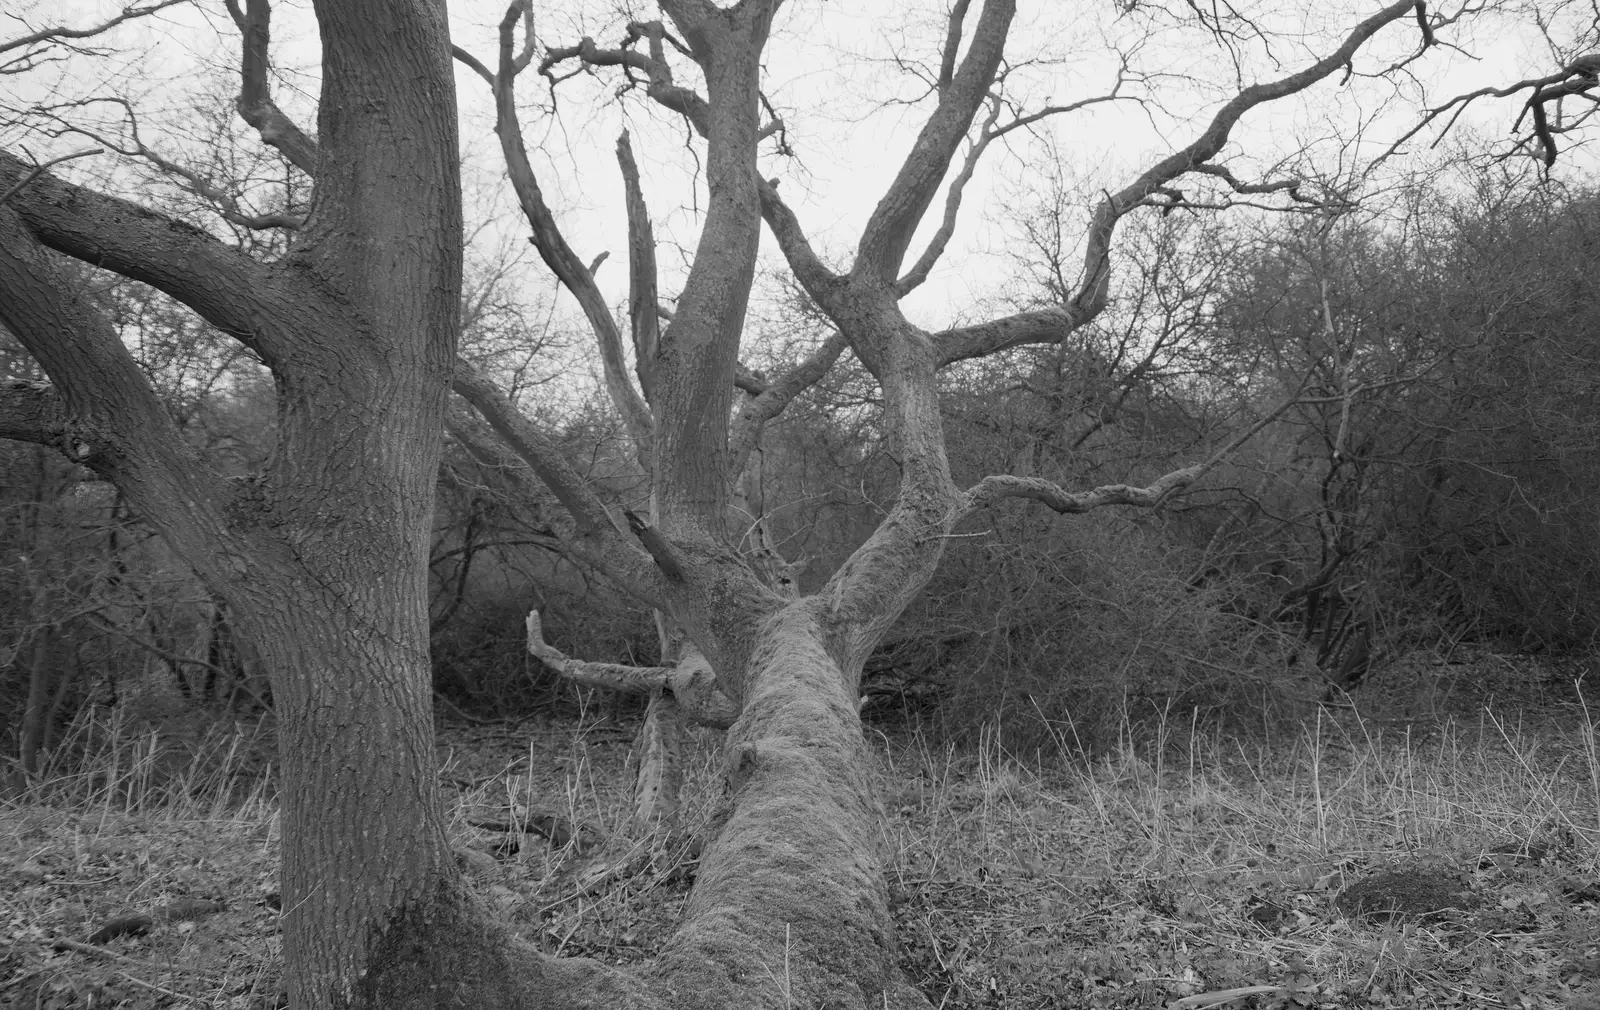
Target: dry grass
[1199,863]
[129,819]
[1184,861]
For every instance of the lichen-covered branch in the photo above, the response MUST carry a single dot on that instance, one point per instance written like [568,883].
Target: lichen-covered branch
[991,489]
[691,681]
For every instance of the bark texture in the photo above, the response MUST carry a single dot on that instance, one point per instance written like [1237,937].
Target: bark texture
[790,907]
[321,557]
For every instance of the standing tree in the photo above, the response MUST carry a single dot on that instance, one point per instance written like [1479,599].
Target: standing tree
[322,555]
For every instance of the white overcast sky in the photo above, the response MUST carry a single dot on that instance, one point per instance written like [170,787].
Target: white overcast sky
[832,74]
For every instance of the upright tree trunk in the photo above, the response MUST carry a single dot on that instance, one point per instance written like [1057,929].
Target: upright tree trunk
[342,630]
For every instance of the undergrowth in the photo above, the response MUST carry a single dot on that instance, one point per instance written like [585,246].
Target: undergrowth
[1186,865]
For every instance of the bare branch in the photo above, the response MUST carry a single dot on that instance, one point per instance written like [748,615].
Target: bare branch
[611,676]
[1457,105]
[1581,77]
[472,61]
[988,132]
[1097,259]
[1036,326]
[1422,24]
[54,34]
[44,167]
[225,204]
[773,397]
[642,309]
[690,681]
[808,268]
[1287,186]
[255,104]
[1053,325]
[991,489]
[888,231]
[536,449]
[547,237]
[133,638]
[217,281]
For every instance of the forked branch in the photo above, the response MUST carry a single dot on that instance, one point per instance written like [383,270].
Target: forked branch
[1053,325]
[813,275]
[45,36]
[255,104]
[774,396]
[101,410]
[547,238]
[691,681]
[888,232]
[988,132]
[1580,77]
[991,489]
[660,85]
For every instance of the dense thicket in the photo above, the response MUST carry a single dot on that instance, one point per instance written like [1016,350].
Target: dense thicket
[1437,484]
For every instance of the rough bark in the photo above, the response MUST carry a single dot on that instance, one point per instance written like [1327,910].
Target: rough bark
[321,556]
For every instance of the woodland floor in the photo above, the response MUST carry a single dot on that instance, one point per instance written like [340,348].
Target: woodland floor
[1181,864]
